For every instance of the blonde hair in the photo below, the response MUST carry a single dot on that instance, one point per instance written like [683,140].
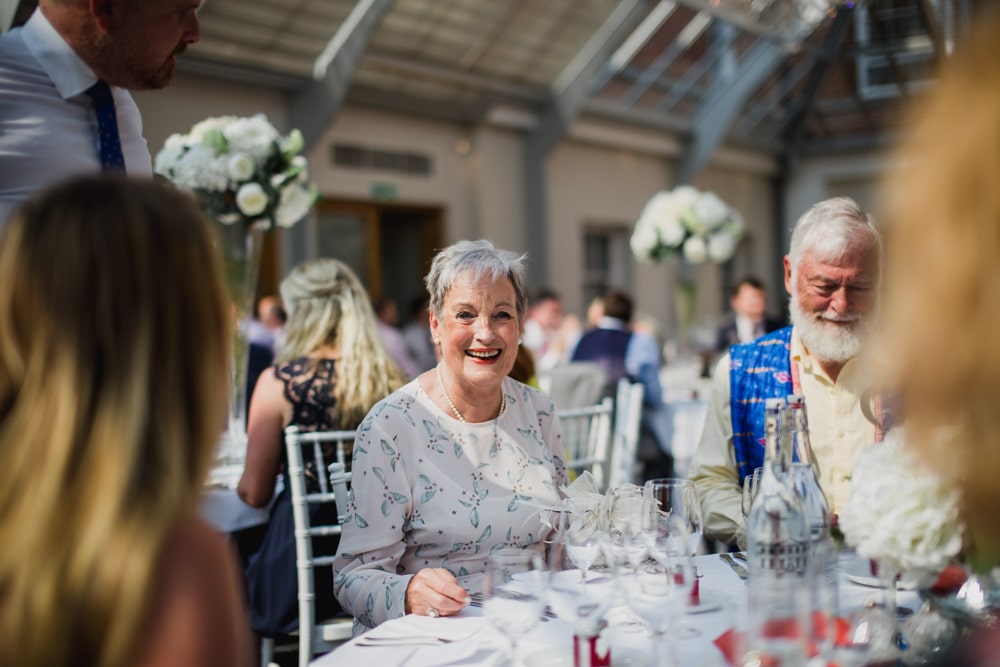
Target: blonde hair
[328,306]
[943,278]
[113,351]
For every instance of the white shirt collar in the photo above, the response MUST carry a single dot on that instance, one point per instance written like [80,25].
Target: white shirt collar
[65,68]
[612,323]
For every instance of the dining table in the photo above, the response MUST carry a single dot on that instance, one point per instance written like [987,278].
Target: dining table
[222,507]
[469,639]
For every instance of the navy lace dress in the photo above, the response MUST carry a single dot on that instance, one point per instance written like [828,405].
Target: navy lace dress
[270,569]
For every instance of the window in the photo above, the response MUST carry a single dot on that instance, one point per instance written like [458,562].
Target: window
[607,260]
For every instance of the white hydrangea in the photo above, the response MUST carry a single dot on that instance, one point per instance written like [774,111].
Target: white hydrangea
[899,512]
[697,225]
[199,168]
[253,136]
[721,246]
[217,123]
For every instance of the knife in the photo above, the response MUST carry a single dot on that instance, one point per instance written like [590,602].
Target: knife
[737,568]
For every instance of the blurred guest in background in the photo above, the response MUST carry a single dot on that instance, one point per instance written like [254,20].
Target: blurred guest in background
[331,371]
[749,319]
[113,386]
[545,334]
[417,333]
[942,287]
[455,464]
[66,73]
[387,322]
[832,273]
[625,353]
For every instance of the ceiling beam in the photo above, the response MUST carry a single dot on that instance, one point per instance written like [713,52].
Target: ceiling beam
[723,102]
[568,94]
[796,124]
[313,110]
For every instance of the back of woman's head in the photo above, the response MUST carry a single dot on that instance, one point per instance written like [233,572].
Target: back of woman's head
[328,307]
[113,348]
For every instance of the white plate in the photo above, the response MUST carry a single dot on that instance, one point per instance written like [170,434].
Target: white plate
[709,599]
[859,571]
[549,657]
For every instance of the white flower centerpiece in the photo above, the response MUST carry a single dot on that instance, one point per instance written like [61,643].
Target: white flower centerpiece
[695,225]
[900,514]
[241,170]
[248,179]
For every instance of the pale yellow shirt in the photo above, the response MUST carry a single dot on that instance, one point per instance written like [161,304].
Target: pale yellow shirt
[837,428]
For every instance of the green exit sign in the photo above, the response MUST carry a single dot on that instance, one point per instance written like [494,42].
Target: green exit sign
[383,190]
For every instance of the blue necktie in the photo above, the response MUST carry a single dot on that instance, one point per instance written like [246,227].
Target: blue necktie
[107,126]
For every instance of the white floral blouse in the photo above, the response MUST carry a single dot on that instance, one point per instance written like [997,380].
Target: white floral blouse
[431,491]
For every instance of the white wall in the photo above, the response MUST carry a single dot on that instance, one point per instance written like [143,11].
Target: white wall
[602,174]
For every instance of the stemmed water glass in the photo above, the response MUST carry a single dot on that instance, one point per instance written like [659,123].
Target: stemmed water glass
[678,499]
[750,484]
[581,601]
[659,591]
[514,593]
[625,506]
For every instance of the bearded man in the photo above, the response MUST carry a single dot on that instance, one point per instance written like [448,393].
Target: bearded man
[832,274]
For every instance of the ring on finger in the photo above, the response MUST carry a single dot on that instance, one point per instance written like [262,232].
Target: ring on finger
[432,612]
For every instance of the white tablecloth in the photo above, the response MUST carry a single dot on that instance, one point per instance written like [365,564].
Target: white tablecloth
[550,644]
[222,508]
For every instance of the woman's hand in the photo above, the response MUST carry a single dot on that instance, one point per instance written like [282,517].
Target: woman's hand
[435,592]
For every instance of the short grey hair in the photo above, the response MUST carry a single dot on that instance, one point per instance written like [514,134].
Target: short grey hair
[480,258]
[831,229]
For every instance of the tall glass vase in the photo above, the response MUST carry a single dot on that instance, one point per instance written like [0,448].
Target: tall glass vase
[240,247]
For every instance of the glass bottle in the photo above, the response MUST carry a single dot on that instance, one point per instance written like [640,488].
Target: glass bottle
[777,531]
[823,575]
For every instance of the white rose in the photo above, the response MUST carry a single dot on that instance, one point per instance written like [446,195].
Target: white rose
[241,167]
[295,203]
[644,242]
[672,232]
[721,247]
[710,211]
[202,128]
[251,199]
[662,213]
[695,251]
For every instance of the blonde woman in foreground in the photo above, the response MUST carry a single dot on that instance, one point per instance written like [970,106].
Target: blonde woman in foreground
[113,351]
[943,299]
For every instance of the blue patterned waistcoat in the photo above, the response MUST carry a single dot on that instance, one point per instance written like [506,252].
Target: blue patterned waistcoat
[758,370]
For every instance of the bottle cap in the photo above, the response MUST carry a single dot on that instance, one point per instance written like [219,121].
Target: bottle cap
[774,404]
[796,400]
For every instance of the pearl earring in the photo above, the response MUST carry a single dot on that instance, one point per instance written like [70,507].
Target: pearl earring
[520,341]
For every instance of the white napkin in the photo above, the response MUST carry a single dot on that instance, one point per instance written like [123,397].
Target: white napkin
[480,653]
[411,625]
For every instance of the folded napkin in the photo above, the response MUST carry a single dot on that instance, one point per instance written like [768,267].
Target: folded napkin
[421,627]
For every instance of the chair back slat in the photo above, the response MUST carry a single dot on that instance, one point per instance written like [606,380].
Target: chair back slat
[586,434]
[625,448]
[298,445]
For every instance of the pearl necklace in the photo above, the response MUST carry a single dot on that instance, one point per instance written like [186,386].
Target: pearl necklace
[503,399]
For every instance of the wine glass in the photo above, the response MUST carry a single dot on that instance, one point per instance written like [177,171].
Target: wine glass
[657,593]
[580,529]
[625,506]
[581,601]
[514,593]
[671,551]
[750,483]
[678,499]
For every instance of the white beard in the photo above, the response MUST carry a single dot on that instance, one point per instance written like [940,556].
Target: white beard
[824,340]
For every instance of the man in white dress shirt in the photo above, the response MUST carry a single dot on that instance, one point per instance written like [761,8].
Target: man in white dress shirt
[48,125]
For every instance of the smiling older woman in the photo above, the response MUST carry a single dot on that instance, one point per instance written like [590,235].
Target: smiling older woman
[458,462]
